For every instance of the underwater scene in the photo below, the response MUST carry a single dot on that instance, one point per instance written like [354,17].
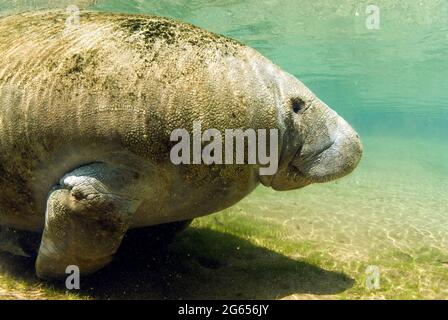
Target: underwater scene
[381,232]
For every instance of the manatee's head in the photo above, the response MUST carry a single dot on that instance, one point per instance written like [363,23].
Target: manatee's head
[317,145]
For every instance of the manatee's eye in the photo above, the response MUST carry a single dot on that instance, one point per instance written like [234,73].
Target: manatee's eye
[297,104]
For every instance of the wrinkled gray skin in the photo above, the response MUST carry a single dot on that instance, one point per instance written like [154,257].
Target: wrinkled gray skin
[85,122]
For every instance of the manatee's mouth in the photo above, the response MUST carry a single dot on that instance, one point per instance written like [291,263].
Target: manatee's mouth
[295,174]
[288,177]
[301,165]
[332,160]
[298,169]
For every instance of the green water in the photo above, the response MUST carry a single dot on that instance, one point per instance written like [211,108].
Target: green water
[391,85]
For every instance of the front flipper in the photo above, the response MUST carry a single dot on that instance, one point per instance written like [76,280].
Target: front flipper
[86,219]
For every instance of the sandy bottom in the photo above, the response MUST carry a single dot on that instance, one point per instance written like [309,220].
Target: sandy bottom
[393,210]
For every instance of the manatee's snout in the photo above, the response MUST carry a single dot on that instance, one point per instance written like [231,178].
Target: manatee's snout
[322,147]
[331,148]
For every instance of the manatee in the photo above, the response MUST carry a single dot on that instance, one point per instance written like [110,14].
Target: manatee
[86,114]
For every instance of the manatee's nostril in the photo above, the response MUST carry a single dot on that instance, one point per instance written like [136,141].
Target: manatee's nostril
[297,104]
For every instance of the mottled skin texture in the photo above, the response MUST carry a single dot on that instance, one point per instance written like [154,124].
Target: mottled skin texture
[89,111]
